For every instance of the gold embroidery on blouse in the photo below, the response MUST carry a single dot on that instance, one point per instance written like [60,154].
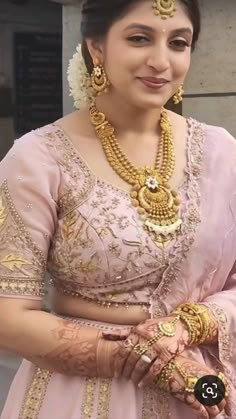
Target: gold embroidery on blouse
[27,287]
[68,229]
[104,398]
[13,262]
[22,263]
[88,398]
[72,196]
[3,213]
[35,394]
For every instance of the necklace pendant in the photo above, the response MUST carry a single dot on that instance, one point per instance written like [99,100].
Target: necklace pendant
[163,235]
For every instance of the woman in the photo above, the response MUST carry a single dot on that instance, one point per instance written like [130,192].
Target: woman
[140,249]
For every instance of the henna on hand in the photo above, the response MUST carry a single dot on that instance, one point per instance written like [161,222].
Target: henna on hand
[177,386]
[79,351]
[160,353]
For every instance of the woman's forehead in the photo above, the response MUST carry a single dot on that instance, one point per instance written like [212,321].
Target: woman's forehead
[143,13]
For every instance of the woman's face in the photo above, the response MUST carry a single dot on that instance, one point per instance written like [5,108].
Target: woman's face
[145,57]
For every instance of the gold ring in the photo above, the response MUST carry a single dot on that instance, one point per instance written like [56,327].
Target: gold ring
[128,343]
[140,349]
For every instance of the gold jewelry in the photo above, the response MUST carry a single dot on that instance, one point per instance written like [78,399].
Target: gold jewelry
[165,329]
[164,8]
[162,380]
[156,203]
[197,320]
[178,97]
[190,380]
[99,80]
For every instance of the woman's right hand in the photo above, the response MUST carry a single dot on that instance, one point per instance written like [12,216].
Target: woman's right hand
[176,386]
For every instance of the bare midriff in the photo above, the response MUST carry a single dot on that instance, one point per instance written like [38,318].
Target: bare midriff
[90,310]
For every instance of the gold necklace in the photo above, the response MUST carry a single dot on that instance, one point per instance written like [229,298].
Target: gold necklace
[151,195]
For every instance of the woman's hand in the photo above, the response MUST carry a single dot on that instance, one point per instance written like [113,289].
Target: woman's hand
[145,345]
[174,380]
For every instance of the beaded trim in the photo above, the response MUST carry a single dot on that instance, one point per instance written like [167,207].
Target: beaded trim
[22,269]
[88,398]
[35,394]
[104,398]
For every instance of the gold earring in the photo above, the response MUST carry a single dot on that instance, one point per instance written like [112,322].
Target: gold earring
[178,97]
[99,80]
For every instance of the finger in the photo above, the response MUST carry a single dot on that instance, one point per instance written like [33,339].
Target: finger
[191,401]
[125,349]
[130,364]
[116,334]
[142,367]
[213,411]
[132,359]
[228,407]
[203,414]
[222,405]
[153,372]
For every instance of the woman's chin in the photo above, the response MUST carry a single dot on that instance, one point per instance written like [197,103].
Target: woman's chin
[150,103]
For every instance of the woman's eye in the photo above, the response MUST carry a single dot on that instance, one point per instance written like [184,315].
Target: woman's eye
[138,39]
[179,44]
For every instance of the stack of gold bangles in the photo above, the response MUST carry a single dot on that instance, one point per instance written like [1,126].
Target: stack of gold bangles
[197,320]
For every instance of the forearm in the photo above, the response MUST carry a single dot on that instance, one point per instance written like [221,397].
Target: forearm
[58,345]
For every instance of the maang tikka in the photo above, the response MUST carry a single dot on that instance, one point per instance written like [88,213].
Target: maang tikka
[164,8]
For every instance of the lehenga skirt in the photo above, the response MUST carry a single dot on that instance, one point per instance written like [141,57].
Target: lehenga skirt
[37,393]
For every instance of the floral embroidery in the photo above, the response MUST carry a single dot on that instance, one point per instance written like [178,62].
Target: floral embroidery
[22,264]
[98,250]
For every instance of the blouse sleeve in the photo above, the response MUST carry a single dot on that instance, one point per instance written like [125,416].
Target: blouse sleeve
[29,181]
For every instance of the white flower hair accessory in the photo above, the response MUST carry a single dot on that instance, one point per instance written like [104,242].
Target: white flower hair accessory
[79,80]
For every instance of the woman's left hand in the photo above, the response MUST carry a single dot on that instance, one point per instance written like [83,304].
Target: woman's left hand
[146,359]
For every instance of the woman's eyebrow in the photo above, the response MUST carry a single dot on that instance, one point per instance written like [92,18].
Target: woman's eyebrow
[151,29]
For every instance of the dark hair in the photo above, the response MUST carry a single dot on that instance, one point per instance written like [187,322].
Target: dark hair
[99,15]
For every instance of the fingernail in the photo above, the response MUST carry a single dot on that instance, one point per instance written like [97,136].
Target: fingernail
[140,385]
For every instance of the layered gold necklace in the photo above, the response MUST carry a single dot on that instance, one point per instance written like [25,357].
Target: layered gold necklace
[151,194]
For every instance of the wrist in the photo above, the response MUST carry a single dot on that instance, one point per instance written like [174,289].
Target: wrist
[106,354]
[198,322]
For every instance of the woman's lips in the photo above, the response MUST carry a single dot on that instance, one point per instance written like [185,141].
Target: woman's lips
[153,83]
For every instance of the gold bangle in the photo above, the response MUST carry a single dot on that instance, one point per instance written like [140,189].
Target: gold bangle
[197,319]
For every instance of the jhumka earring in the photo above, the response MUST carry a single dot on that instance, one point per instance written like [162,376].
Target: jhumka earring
[164,8]
[99,80]
[178,97]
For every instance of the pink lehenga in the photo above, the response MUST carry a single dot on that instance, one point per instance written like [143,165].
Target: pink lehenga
[56,215]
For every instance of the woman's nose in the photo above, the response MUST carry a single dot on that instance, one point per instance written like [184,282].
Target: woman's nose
[159,58]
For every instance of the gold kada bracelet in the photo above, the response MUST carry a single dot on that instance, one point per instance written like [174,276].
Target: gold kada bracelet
[197,320]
